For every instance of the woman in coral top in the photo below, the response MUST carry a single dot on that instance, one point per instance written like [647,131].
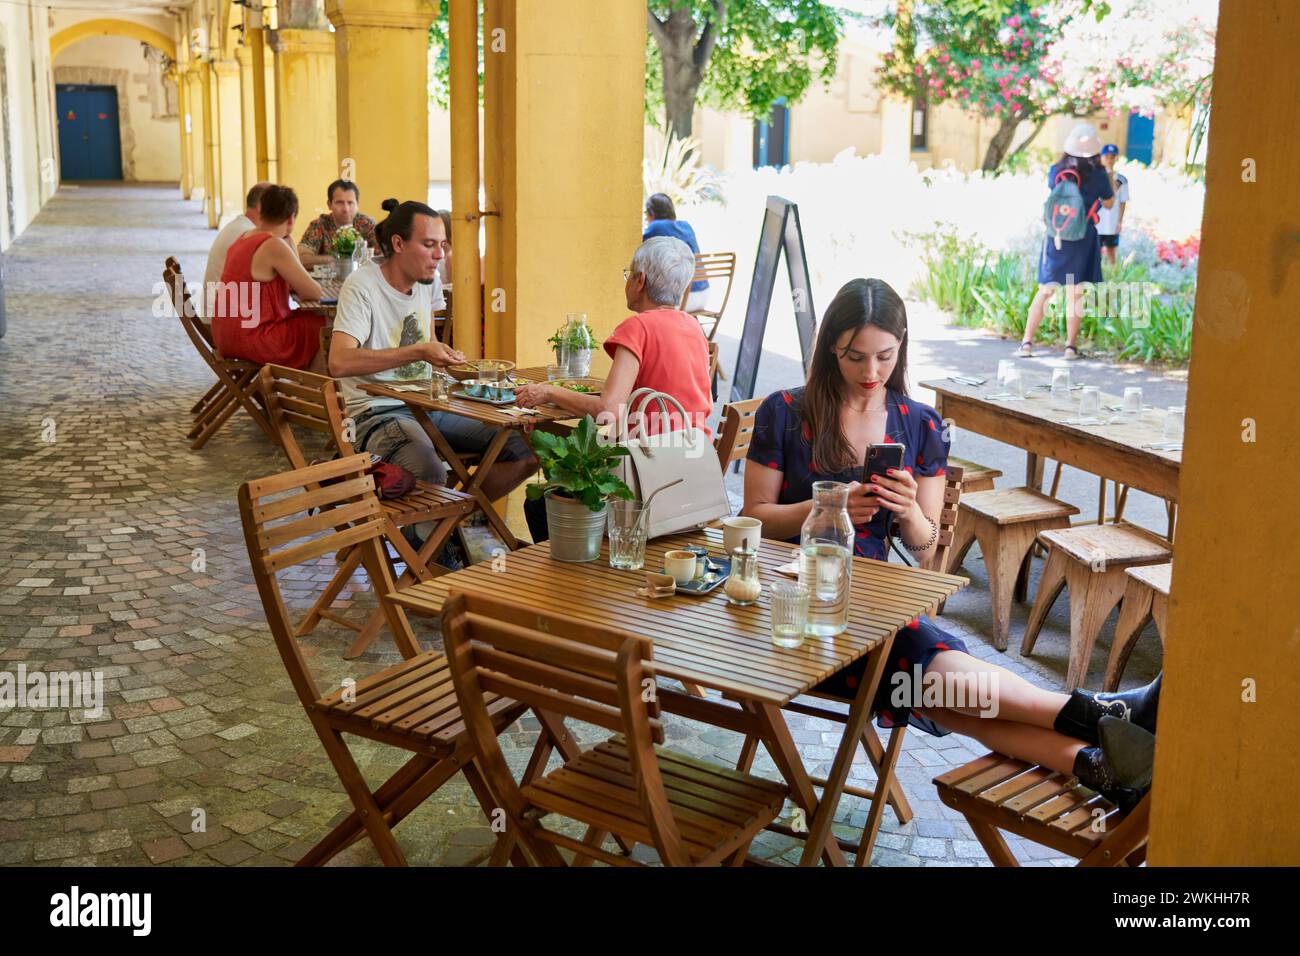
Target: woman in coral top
[251,316]
[659,347]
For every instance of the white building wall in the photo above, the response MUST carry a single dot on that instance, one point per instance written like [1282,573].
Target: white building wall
[30,176]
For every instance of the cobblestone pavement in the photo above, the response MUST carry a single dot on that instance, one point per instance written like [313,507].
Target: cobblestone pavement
[121,553]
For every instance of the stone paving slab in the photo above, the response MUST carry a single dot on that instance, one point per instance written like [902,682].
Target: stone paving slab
[123,555]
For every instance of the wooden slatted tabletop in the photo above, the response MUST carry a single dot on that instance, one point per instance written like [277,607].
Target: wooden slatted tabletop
[499,416]
[1120,451]
[329,289]
[705,640]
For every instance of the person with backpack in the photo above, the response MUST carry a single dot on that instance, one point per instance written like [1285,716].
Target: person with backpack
[1080,188]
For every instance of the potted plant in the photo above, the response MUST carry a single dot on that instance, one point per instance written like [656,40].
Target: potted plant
[577,337]
[581,475]
[346,244]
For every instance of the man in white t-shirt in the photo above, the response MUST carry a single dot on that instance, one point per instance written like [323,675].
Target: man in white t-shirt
[231,231]
[383,331]
[1109,221]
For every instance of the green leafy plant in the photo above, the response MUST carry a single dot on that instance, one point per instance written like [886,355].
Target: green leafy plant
[346,242]
[579,466]
[580,337]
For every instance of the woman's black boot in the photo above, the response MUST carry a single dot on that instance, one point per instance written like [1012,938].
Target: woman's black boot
[1142,703]
[1119,769]
[1079,717]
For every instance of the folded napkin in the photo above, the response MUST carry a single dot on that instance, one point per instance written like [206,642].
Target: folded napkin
[658,586]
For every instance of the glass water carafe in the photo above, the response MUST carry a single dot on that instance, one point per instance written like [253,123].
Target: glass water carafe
[825,559]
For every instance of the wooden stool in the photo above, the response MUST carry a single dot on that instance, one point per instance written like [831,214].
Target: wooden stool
[1146,596]
[1005,522]
[1091,561]
[976,477]
[996,792]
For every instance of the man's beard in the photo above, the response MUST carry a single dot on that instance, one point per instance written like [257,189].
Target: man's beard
[428,281]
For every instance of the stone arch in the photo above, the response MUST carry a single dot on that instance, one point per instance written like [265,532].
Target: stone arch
[106,27]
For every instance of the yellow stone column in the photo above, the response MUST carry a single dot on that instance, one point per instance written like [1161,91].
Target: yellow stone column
[563,114]
[182,109]
[306,138]
[381,72]
[247,117]
[211,188]
[229,135]
[194,99]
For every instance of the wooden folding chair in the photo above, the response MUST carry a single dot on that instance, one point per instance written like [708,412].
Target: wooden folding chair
[712,266]
[302,515]
[312,402]
[736,430]
[995,793]
[882,757]
[692,812]
[236,384]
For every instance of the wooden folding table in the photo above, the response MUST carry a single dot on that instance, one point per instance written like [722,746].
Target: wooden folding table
[708,642]
[505,419]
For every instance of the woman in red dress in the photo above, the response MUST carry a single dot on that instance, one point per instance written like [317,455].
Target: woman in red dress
[251,315]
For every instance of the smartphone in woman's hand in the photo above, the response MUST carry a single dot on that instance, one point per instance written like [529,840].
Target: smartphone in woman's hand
[881,458]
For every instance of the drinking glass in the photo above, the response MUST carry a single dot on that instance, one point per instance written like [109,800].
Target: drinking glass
[488,372]
[1090,402]
[1004,368]
[789,613]
[1133,401]
[627,533]
[555,372]
[1060,387]
[1014,383]
[1174,421]
[439,387]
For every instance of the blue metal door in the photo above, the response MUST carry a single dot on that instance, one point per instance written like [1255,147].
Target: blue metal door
[1141,136]
[89,139]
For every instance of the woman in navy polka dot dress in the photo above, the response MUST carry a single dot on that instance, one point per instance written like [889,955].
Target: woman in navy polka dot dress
[856,396]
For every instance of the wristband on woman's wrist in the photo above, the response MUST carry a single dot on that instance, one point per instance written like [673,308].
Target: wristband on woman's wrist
[934,536]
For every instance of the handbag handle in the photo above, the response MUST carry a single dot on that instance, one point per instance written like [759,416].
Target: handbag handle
[643,397]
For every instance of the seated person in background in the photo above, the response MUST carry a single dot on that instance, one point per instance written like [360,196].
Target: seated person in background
[251,316]
[383,332]
[315,246]
[661,220]
[225,239]
[855,396]
[659,347]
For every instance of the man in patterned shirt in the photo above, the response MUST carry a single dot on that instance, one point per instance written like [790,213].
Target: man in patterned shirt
[315,246]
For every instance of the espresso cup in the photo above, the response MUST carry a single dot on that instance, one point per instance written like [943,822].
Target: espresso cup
[681,565]
[741,533]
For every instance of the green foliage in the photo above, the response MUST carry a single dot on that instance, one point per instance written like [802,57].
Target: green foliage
[764,50]
[345,242]
[580,337]
[983,289]
[440,81]
[578,465]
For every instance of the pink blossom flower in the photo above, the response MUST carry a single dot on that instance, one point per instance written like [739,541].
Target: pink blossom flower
[1013,22]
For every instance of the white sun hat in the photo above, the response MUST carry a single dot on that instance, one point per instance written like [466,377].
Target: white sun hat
[1083,141]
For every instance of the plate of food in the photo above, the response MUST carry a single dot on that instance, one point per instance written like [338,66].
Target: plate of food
[475,368]
[583,386]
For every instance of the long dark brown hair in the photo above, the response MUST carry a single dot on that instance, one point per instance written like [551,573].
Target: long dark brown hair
[860,303]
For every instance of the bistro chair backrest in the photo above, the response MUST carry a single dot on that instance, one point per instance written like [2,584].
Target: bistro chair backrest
[594,674]
[299,516]
[179,296]
[736,430]
[298,399]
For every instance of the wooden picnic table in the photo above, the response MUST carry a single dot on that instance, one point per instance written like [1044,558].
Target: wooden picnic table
[1120,452]
[710,643]
[505,418]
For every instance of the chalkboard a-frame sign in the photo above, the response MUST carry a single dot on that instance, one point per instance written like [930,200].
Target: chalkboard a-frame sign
[781,231]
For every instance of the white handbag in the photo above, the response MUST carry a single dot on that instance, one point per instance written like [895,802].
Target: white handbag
[654,461]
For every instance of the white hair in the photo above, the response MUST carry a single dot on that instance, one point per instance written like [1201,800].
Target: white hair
[669,267]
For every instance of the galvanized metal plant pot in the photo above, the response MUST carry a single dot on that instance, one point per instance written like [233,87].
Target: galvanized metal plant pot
[344,266]
[575,529]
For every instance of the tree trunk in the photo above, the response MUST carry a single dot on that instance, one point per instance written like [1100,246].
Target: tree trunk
[685,51]
[1001,142]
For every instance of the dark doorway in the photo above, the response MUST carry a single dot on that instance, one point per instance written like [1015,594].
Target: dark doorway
[772,137]
[90,143]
